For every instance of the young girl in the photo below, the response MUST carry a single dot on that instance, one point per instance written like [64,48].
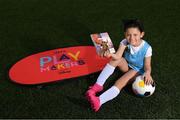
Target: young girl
[133,58]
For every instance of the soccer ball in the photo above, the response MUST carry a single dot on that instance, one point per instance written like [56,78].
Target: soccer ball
[141,89]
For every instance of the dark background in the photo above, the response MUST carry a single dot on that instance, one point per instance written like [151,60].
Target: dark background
[31,26]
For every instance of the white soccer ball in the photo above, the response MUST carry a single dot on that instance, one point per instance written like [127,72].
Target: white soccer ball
[141,89]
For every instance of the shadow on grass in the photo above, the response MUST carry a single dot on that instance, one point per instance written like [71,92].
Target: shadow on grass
[129,91]
[78,101]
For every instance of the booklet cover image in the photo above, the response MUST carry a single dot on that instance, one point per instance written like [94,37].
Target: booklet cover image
[102,43]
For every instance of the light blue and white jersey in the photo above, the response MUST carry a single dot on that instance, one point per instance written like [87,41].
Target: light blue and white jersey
[136,59]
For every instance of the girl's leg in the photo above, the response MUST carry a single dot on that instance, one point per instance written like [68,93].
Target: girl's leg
[127,77]
[123,65]
[111,93]
[104,75]
[109,69]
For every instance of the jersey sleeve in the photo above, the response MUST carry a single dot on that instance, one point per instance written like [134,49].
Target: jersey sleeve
[149,52]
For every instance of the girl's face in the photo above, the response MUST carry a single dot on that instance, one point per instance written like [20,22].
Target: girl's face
[133,36]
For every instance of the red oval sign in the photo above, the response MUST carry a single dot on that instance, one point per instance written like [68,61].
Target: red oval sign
[57,64]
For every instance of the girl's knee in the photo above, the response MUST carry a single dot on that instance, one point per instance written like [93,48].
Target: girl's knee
[123,65]
[115,63]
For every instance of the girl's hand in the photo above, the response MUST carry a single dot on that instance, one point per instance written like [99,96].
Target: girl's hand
[148,79]
[110,55]
[107,54]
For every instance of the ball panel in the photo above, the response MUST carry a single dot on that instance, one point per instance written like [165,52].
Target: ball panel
[141,84]
[147,94]
[141,89]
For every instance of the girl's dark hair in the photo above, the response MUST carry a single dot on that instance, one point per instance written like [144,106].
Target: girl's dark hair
[133,23]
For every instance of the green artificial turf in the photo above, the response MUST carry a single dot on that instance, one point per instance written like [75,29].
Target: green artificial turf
[31,26]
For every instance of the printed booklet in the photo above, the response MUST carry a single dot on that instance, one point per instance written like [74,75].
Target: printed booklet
[102,43]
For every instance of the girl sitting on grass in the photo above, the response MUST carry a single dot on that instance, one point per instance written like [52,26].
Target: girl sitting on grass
[133,58]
